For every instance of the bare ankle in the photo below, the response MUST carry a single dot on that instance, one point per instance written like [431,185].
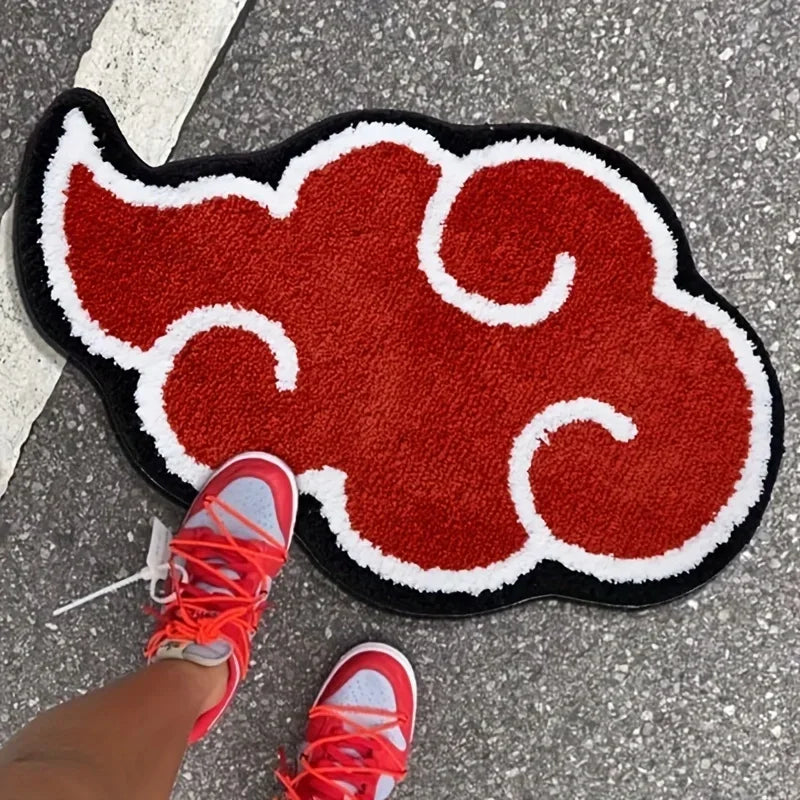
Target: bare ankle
[209,683]
[219,685]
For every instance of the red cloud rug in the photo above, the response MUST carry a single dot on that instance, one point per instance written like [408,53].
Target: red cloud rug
[485,350]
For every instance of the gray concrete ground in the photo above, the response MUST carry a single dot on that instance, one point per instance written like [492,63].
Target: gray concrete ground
[41,42]
[695,700]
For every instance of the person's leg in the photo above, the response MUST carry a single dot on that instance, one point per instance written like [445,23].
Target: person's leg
[124,741]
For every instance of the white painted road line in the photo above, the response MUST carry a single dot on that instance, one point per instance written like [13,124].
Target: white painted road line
[149,61]
[29,369]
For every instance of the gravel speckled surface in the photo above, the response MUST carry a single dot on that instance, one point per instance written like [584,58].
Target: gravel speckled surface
[699,699]
[41,42]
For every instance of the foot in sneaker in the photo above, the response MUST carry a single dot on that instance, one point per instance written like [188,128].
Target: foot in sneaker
[359,731]
[231,545]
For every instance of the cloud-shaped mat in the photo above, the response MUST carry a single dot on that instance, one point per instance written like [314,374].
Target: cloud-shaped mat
[485,350]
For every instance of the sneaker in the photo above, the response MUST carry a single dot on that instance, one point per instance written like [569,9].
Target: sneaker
[232,543]
[359,731]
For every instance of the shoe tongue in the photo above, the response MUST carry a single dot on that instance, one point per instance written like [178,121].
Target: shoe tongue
[218,651]
[212,653]
[213,588]
[319,790]
[322,790]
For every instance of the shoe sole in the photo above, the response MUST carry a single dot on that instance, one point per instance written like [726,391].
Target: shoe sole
[278,462]
[385,649]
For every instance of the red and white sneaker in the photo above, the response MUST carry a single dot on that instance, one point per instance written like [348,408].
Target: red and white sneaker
[232,543]
[359,731]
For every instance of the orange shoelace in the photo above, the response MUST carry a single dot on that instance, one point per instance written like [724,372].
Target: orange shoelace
[198,615]
[355,751]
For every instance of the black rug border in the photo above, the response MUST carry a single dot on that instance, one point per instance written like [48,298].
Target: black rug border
[116,385]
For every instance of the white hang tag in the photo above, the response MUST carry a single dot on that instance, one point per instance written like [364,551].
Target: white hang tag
[158,552]
[155,570]
[158,559]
